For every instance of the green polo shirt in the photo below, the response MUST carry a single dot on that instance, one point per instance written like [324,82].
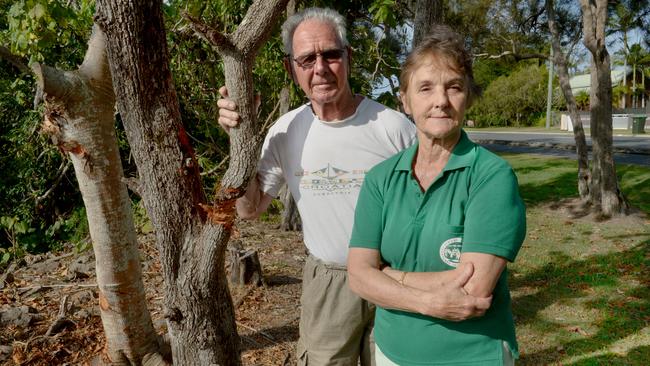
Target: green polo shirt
[473,205]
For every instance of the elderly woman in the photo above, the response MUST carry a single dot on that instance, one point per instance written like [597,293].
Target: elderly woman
[443,203]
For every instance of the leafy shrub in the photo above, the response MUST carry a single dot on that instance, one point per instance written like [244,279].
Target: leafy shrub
[514,100]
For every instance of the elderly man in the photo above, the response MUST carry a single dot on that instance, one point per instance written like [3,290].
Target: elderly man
[322,150]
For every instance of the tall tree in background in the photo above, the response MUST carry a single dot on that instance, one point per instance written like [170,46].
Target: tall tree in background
[191,234]
[605,193]
[79,116]
[560,61]
[427,13]
[625,16]
[290,216]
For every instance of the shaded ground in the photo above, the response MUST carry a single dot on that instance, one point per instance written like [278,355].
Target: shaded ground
[267,316]
[580,295]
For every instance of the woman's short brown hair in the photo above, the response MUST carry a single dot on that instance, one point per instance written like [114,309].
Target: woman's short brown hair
[441,43]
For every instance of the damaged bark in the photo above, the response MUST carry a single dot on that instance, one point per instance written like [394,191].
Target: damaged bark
[191,234]
[80,120]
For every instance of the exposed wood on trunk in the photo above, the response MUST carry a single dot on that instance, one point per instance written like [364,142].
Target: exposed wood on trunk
[559,59]
[79,117]
[191,234]
[605,193]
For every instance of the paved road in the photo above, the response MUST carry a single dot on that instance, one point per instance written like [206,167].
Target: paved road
[627,149]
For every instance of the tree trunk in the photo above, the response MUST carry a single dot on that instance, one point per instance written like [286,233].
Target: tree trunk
[427,13]
[79,117]
[191,235]
[605,193]
[290,216]
[291,220]
[559,59]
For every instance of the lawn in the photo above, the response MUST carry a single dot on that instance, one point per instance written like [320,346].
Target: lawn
[580,288]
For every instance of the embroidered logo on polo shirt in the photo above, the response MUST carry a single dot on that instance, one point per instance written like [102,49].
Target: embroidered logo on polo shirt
[450,251]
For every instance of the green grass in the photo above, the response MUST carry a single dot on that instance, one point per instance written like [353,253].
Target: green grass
[549,179]
[581,289]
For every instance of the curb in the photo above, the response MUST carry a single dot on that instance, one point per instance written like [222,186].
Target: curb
[559,146]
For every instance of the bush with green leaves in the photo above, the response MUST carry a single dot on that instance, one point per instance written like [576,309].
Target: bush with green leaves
[518,99]
[38,192]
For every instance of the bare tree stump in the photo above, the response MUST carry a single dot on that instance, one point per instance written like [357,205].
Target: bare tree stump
[245,267]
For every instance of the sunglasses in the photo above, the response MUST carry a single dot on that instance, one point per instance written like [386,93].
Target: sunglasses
[329,56]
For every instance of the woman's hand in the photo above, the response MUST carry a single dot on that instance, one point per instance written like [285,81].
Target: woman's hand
[447,299]
[450,301]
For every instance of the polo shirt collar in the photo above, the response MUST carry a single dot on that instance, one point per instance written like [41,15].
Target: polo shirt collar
[462,156]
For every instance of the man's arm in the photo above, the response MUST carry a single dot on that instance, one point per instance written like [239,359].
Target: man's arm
[448,301]
[254,202]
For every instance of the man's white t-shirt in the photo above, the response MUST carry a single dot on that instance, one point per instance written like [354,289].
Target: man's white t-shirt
[324,164]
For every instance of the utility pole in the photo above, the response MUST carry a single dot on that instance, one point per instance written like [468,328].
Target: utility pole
[549,98]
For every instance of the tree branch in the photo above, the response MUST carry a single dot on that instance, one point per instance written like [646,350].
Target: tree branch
[54,82]
[589,29]
[62,170]
[220,42]
[516,56]
[16,61]
[95,64]
[256,26]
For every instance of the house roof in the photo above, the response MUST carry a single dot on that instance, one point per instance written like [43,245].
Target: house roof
[580,83]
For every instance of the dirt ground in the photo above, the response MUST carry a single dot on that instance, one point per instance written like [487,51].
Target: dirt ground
[43,287]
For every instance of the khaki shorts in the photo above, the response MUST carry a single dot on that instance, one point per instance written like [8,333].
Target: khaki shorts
[335,323]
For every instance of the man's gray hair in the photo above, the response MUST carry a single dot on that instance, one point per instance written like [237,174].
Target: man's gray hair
[324,15]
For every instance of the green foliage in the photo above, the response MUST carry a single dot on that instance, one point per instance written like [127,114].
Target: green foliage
[36,192]
[513,100]
[582,100]
[382,11]
[486,71]
[13,228]
[273,213]
[36,28]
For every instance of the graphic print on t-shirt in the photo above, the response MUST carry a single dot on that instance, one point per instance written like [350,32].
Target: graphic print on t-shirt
[330,180]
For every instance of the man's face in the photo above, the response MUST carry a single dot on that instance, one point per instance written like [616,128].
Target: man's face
[326,80]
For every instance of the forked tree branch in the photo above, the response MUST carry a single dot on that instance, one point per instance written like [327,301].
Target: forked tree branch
[15,60]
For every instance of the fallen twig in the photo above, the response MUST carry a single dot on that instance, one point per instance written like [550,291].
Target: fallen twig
[61,320]
[42,287]
[265,335]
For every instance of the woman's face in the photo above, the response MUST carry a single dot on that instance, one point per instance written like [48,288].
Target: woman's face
[436,98]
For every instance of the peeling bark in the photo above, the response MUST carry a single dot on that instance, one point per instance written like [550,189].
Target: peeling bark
[79,118]
[191,234]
